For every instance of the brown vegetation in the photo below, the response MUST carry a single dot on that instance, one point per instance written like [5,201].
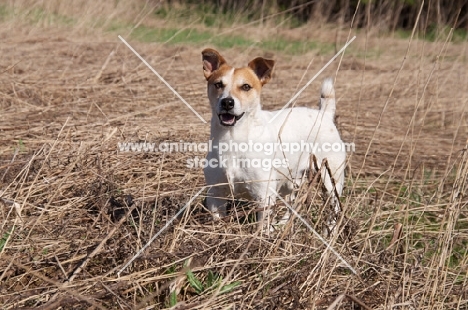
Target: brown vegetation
[74,209]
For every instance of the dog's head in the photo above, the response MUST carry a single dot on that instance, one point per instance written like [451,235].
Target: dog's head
[234,92]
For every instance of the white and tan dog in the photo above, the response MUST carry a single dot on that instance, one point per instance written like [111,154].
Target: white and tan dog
[238,118]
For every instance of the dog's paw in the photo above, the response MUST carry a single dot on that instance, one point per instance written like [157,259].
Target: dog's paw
[216,216]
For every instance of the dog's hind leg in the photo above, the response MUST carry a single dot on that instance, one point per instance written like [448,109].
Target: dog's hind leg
[333,179]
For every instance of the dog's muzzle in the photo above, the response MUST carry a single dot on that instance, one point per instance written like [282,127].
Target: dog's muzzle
[227,119]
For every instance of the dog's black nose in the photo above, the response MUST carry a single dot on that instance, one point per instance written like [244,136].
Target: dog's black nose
[227,103]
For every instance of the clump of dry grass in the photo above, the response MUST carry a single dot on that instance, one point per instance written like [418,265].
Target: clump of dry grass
[74,209]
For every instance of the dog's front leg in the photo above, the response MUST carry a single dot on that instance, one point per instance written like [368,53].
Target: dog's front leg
[265,204]
[215,202]
[219,190]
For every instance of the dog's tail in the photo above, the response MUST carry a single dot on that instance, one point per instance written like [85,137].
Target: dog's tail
[327,97]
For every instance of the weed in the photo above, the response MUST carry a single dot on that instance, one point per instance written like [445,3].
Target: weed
[203,37]
[437,33]
[211,283]
[47,18]
[4,12]
[21,147]
[172,299]
[3,240]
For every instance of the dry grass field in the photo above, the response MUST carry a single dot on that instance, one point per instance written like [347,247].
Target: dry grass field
[74,209]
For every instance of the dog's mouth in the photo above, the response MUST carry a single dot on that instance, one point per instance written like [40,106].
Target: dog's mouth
[227,119]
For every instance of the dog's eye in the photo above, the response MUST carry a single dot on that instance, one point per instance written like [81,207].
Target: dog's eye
[218,85]
[246,87]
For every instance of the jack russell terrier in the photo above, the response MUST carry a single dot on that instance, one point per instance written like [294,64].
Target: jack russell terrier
[242,162]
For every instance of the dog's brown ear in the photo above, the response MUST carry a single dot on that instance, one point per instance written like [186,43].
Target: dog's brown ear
[263,68]
[212,60]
